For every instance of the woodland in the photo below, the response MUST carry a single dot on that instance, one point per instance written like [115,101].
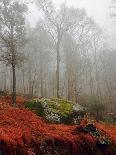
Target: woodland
[57,81]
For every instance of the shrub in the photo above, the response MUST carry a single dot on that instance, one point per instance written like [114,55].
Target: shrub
[96,108]
[36,106]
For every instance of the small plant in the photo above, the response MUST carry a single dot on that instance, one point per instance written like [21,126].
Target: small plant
[96,107]
[36,106]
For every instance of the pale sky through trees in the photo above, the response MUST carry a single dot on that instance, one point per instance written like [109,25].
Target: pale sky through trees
[97,9]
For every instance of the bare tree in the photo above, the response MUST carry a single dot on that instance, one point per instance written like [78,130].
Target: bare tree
[58,23]
[12,35]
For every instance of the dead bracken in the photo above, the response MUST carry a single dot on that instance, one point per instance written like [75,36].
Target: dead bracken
[23,132]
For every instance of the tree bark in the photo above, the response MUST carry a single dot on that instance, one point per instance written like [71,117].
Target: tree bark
[69,87]
[41,77]
[13,51]
[30,80]
[23,78]
[58,64]
[13,74]
[14,85]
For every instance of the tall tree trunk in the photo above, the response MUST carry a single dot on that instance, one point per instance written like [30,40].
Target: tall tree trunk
[30,81]
[41,72]
[41,87]
[69,87]
[33,84]
[58,65]
[13,51]
[45,92]
[14,85]
[41,79]
[5,82]
[23,78]
[97,73]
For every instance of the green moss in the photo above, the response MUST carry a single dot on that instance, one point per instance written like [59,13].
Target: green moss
[62,108]
[63,104]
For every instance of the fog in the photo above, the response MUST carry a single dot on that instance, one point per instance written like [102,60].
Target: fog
[60,49]
[97,9]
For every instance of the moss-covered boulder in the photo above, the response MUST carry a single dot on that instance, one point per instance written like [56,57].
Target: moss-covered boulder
[56,110]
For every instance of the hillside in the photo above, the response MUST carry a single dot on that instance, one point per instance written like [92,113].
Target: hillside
[23,132]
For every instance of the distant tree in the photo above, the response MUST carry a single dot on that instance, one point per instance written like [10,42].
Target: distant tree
[39,49]
[113,8]
[12,35]
[59,23]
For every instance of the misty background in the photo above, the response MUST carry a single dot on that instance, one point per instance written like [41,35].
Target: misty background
[70,52]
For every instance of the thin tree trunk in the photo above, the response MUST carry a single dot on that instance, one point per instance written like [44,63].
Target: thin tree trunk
[14,85]
[13,50]
[41,80]
[41,87]
[58,64]
[23,74]
[97,73]
[69,87]
[5,82]
[30,81]
[41,72]
[33,84]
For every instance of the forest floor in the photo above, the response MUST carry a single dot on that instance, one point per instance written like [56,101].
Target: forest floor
[24,133]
